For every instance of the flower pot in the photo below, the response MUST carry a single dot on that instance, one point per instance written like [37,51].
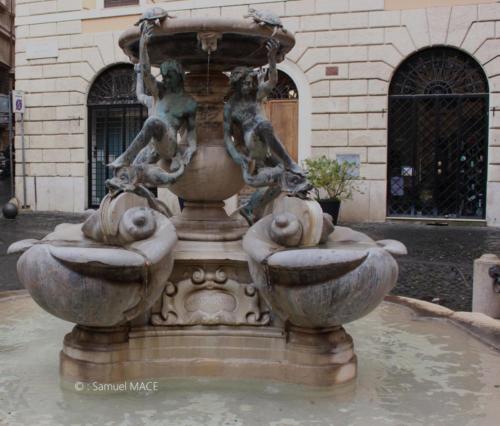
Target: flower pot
[332,207]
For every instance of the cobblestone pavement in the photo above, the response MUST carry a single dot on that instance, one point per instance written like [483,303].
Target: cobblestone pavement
[438,267]
[440,261]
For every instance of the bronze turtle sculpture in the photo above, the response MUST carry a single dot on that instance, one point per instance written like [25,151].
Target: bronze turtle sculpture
[265,18]
[155,15]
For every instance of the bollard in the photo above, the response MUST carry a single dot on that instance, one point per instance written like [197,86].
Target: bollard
[486,290]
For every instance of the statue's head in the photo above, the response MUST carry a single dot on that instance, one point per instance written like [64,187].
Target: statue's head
[244,80]
[172,74]
[295,183]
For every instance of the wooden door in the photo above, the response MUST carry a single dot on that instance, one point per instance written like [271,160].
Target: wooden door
[284,116]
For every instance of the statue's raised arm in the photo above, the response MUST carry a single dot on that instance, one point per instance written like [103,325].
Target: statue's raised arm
[172,110]
[140,91]
[267,86]
[145,63]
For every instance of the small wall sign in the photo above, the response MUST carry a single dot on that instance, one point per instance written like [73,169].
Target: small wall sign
[353,160]
[18,105]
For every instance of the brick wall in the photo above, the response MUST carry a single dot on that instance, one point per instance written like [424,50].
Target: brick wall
[363,40]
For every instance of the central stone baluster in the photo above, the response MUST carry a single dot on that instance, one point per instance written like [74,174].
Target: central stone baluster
[212,175]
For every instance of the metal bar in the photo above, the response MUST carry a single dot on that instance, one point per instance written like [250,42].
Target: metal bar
[23,159]
[460,202]
[11,145]
[432,219]
[90,154]
[464,95]
[416,169]
[485,153]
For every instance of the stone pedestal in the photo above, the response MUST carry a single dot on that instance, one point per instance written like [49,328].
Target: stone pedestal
[212,176]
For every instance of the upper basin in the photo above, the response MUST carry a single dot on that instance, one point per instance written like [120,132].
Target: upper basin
[242,43]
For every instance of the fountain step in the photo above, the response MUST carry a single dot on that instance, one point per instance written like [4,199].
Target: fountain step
[244,353]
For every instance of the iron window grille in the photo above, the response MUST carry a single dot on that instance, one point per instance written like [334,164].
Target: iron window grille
[115,118]
[438,136]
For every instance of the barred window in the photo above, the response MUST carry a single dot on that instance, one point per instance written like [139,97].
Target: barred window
[114,3]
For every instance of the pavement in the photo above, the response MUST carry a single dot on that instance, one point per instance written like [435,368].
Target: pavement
[439,266]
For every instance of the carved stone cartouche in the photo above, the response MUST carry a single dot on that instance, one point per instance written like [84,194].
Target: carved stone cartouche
[210,296]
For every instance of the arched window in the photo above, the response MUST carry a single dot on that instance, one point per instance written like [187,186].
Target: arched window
[115,118]
[285,89]
[438,136]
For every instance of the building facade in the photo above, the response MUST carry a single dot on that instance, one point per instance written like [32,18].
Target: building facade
[407,89]
[7,41]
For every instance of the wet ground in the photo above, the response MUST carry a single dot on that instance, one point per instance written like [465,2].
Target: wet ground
[438,267]
[411,371]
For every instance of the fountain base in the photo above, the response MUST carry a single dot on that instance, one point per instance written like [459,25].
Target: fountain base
[243,353]
[211,321]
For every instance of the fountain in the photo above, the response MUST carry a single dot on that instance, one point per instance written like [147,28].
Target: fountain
[259,294]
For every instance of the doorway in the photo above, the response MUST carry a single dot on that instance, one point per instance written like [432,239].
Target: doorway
[115,118]
[438,137]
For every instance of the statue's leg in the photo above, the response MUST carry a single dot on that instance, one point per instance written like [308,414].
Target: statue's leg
[265,176]
[256,206]
[265,132]
[155,176]
[153,128]
[148,155]
[167,148]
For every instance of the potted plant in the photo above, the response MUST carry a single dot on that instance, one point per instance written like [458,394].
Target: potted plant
[335,179]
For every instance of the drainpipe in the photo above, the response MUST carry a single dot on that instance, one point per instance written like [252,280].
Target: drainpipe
[11,45]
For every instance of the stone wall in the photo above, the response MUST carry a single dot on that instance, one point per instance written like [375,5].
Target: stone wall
[346,53]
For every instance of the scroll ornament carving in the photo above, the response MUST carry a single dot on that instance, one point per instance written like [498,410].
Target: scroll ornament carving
[210,298]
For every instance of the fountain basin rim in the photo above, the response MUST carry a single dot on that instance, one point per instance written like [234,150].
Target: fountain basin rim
[219,25]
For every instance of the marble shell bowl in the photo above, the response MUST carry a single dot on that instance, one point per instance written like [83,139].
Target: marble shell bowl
[92,284]
[325,286]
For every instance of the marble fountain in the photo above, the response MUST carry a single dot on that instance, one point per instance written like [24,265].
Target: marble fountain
[262,294]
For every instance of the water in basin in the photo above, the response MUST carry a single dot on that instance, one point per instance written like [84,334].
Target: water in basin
[412,371]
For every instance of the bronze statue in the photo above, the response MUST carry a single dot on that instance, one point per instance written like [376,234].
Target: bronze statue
[251,141]
[171,111]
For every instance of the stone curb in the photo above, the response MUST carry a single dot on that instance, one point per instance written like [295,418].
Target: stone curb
[482,327]
[423,308]
[13,294]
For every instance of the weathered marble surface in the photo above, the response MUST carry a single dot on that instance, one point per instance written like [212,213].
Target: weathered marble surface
[104,281]
[319,285]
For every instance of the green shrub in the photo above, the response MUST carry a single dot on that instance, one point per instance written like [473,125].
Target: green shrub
[336,179]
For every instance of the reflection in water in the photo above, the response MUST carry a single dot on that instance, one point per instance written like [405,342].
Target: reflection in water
[411,372]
